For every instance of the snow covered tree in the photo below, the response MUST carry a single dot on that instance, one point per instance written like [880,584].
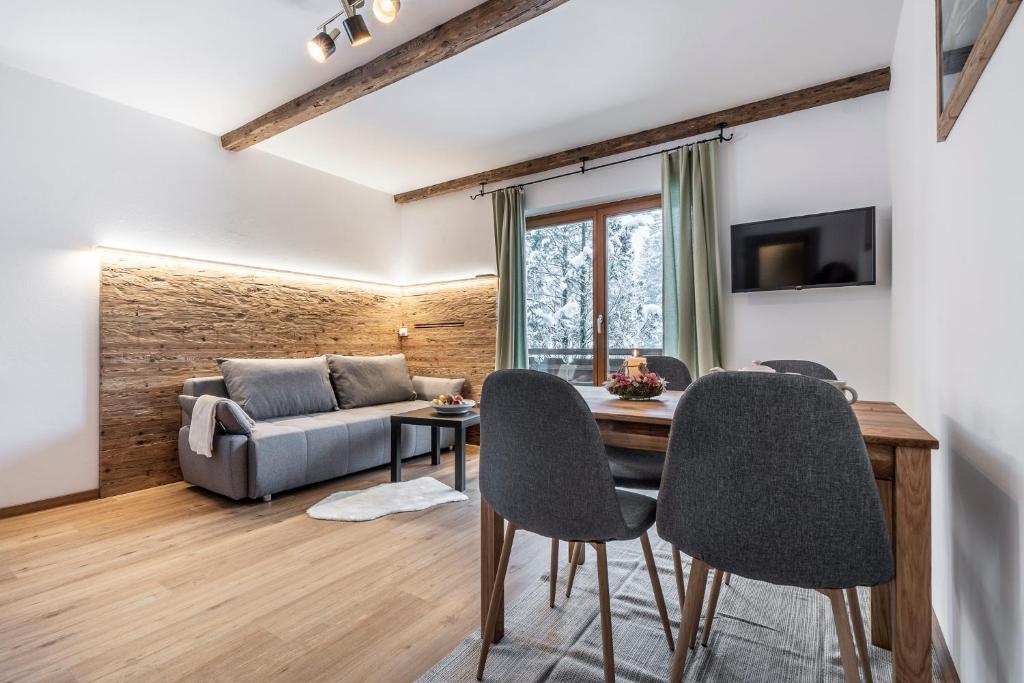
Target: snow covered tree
[634,284]
[560,289]
[559,294]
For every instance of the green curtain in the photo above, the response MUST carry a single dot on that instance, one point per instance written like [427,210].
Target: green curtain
[509,235]
[692,306]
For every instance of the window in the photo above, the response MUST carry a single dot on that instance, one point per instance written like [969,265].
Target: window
[593,274]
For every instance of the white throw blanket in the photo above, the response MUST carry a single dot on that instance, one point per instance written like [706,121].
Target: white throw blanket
[204,424]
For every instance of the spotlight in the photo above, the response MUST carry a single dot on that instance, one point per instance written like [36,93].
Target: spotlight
[321,46]
[356,29]
[386,10]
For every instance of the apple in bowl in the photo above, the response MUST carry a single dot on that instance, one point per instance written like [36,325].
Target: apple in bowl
[447,400]
[452,405]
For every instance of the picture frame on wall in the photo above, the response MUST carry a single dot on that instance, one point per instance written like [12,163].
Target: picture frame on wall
[967,33]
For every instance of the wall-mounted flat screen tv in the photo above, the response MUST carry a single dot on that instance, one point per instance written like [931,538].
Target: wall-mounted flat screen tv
[835,249]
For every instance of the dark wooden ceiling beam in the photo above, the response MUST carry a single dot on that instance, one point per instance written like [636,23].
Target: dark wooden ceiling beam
[470,28]
[815,96]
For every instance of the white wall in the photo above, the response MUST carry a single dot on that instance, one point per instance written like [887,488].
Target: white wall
[832,157]
[958,334]
[77,171]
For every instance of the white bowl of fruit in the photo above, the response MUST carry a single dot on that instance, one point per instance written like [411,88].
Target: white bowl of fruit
[452,405]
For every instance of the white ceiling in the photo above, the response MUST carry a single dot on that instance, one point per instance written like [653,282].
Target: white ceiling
[586,71]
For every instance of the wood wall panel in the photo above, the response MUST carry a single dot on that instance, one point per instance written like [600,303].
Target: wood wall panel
[165,320]
[465,349]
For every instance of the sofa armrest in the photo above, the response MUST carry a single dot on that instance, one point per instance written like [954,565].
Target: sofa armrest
[227,472]
[428,388]
[231,419]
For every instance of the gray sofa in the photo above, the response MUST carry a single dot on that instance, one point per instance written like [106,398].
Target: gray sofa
[286,452]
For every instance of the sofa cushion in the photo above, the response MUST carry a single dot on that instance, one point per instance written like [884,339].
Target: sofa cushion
[277,387]
[429,388]
[328,445]
[370,380]
[230,416]
[277,459]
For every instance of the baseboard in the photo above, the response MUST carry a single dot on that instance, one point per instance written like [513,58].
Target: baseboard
[947,667]
[59,501]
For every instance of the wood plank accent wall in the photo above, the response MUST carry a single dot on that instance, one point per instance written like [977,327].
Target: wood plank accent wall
[460,350]
[164,320]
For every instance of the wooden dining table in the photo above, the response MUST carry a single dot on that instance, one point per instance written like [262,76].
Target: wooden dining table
[900,452]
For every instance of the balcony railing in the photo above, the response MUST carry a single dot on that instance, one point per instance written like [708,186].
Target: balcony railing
[577,365]
[618,353]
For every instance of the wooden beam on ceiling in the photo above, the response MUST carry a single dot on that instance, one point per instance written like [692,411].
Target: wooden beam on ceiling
[470,28]
[815,96]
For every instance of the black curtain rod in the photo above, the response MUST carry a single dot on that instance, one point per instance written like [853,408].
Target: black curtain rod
[721,137]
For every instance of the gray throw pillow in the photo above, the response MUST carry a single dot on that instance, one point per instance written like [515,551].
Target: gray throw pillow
[279,387]
[429,388]
[370,380]
[231,418]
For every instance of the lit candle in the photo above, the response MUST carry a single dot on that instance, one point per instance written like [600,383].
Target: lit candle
[635,366]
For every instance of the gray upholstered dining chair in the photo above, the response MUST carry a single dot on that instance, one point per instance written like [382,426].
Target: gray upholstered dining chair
[767,476]
[808,368]
[636,469]
[671,369]
[543,468]
[801,367]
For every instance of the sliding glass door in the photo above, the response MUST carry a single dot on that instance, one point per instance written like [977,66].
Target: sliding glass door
[593,288]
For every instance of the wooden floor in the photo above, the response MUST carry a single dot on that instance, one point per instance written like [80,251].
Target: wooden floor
[174,583]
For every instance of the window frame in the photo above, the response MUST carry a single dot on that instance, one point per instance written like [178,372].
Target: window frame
[598,214]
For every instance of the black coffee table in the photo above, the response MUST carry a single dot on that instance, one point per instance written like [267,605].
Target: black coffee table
[428,417]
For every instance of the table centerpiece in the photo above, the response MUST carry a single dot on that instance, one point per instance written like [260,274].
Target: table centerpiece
[634,381]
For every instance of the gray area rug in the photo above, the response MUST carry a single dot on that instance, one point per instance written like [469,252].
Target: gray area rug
[761,632]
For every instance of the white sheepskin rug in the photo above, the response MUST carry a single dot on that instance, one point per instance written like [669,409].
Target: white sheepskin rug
[385,499]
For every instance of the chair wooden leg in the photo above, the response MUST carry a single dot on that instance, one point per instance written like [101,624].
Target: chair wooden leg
[659,596]
[858,633]
[701,591]
[554,569]
[573,557]
[677,564]
[716,587]
[606,612]
[691,614]
[492,607]
[835,596]
[728,578]
[577,551]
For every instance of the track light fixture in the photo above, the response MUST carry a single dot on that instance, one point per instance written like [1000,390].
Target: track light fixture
[356,30]
[386,11]
[322,45]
